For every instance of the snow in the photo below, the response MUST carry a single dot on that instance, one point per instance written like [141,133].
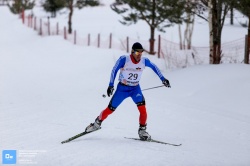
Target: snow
[51,90]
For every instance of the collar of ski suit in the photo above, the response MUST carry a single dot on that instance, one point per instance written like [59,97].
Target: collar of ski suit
[133,59]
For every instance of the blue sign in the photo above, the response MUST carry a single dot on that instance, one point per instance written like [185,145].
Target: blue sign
[9,157]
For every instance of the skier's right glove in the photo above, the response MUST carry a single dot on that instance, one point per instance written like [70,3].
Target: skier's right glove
[110,90]
[166,83]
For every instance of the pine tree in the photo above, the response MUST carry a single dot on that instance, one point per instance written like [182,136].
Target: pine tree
[53,6]
[158,14]
[18,5]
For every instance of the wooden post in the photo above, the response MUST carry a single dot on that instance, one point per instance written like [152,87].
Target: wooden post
[88,39]
[159,46]
[28,20]
[248,44]
[41,30]
[31,21]
[57,28]
[98,42]
[110,40]
[74,36]
[246,58]
[65,33]
[48,27]
[127,44]
[34,23]
[23,16]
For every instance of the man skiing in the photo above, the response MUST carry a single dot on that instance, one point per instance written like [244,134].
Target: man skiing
[131,68]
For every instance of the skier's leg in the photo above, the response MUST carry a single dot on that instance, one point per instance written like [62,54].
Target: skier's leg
[139,100]
[143,114]
[119,95]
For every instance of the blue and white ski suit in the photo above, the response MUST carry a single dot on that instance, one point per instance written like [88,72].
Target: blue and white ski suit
[129,77]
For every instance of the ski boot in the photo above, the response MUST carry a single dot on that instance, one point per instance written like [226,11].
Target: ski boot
[143,135]
[94,126]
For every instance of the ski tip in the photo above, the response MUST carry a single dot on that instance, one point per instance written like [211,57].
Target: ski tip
[177,144]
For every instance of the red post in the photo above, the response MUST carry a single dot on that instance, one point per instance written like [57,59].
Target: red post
[23,15]
[246,57]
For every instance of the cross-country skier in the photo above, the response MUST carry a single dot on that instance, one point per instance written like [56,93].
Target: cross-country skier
[131,68]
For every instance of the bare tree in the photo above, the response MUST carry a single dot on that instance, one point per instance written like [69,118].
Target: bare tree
[80,4]
[186,43]
[217,11]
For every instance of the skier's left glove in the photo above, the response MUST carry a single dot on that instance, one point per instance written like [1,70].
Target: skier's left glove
[110,90]
[166,83]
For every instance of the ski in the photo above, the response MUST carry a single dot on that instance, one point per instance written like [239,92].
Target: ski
[77,136]
[152,140]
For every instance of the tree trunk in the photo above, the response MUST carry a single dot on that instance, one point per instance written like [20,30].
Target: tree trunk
[180,36]
[210,21]
[53,14]
[152,41]
[70,16]
[189,31]
[231,15]
[152,30]
[216,32]
[248,43]
[248,38]
[217,52]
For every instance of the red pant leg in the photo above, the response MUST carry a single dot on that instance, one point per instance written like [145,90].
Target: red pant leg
[143,114]
[105,113]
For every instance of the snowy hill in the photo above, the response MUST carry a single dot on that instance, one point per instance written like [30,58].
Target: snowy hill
[49,93]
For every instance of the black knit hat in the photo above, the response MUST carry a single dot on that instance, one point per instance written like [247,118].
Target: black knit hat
[137,46]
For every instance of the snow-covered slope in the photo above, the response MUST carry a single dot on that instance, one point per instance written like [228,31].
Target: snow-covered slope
[51,90]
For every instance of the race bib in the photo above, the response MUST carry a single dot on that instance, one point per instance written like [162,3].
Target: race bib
[131,73]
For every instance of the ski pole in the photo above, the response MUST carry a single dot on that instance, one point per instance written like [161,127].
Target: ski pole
[142,89]
[153,87]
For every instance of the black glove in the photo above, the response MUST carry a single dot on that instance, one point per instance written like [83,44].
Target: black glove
[166,83]
[110,90]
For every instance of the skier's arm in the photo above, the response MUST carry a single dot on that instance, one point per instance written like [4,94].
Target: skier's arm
[148,63]
[119,64]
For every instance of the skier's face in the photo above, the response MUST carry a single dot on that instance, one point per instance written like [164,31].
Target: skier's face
[137,55]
